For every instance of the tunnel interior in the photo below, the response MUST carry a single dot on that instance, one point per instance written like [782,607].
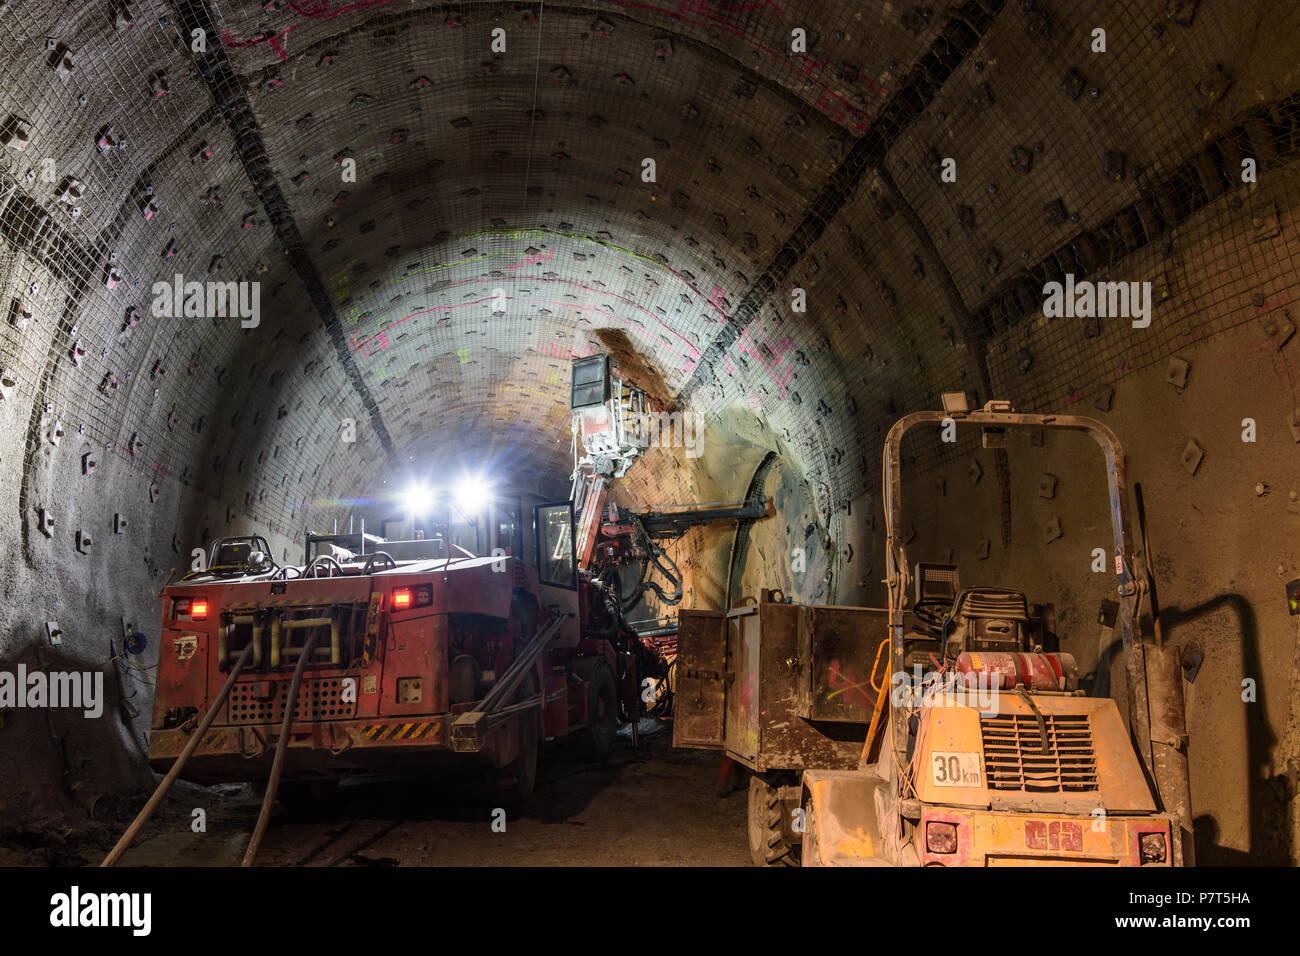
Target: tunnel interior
[795,223]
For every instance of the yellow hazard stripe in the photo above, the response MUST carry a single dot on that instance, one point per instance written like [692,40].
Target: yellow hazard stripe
[409,731]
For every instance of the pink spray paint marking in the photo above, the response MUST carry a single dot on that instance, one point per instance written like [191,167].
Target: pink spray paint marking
[779,371]
[691,355]
[532,260]
[716,299]
[319,12]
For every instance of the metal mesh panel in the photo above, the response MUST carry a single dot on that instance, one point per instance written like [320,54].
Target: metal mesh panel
[521,171]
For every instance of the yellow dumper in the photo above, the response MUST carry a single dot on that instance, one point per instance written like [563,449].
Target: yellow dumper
[982,751]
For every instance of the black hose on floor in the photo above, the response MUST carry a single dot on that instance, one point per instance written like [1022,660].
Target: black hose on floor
[281,746]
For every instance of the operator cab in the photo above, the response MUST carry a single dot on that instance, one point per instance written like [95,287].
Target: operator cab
[980,637]
[440,529]
[237,556]
[350,549]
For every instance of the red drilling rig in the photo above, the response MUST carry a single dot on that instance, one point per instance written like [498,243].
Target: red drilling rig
[469,642]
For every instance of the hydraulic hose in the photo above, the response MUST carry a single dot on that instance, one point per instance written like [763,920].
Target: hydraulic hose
[281,746]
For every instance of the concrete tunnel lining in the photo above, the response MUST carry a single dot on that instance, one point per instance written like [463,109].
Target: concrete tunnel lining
[484,177]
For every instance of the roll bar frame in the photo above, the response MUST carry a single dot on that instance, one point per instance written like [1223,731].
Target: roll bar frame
[1130,574]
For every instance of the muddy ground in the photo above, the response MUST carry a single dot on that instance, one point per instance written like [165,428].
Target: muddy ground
[654,806]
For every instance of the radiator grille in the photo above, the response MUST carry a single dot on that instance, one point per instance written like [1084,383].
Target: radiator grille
[1014,757]
[317,700]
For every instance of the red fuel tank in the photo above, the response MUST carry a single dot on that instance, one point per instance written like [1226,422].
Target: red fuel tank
[1004,670]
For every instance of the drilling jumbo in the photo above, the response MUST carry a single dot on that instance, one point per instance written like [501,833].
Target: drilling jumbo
[462,647]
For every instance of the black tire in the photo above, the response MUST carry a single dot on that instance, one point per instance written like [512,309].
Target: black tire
[514,783]
[597,738]
[767,843]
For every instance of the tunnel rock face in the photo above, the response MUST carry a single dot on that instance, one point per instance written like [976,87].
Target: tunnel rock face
[795,223]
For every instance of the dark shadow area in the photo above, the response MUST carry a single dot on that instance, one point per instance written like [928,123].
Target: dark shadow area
[1270,839]
[70,783]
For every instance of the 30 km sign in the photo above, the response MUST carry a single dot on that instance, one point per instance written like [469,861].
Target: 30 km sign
[956,769]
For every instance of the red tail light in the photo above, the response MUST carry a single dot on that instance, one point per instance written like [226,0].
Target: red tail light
[195,608]
[1152,848]
[940,837]
[419,596]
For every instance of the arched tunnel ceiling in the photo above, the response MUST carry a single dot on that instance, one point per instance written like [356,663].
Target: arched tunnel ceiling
[516,176]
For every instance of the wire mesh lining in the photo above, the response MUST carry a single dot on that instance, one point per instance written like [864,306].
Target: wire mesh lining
[428,135]
[748,139]
[129,378]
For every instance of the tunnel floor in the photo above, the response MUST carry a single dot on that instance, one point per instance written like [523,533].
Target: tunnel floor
[650,806]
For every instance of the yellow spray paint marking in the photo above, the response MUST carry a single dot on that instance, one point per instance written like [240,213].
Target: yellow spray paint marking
[858,686]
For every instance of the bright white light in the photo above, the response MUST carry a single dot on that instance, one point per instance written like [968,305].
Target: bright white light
[472,495]
[417,499]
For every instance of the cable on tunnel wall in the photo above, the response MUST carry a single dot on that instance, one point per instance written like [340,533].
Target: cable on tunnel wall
[740,540]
